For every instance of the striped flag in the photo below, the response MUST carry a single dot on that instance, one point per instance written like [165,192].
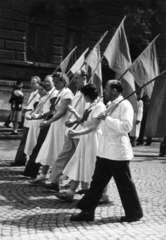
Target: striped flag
[118,56]
[156,117]
[79,63]
[145,68]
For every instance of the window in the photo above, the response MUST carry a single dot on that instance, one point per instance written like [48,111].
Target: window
[39,42]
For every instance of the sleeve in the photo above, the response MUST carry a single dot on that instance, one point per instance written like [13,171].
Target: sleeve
[68,94]
[100,107]
[124,123]
[140,110]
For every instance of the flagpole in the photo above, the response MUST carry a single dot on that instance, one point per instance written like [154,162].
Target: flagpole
[138,89]
[138,57]
[64,59]
[101,39]
[107,111]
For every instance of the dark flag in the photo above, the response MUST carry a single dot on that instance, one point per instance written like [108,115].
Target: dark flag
[156,118]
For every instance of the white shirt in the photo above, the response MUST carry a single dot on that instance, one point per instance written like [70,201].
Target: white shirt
[34,96]
[114,143]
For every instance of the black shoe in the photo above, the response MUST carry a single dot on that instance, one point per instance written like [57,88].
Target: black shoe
[65,197]
[22,174]
[52,186]
[139,144]
[82,191]
[161,155]
[7,126]
[147,144]
[14,164]
[13,133]
[83,216]
[131,219]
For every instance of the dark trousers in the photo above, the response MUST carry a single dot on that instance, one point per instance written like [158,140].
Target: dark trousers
[163,147]
[32,168]
[20,155]
[8,121]
[106,169]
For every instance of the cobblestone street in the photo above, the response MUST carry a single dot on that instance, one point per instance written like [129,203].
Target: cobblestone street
[32,213]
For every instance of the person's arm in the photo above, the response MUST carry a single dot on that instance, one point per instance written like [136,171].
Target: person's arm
[59,114]
[94,125]
[73,110]
[124,123]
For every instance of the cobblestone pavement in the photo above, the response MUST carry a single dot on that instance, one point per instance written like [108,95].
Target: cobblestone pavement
[30,212]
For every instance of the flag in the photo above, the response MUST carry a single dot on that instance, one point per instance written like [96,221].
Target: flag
[156,117]
[145,68]
[79,63]
[65,63]
[117,54]
[93,61]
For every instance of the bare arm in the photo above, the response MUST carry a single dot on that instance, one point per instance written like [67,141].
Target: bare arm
[91,128]
[59,114]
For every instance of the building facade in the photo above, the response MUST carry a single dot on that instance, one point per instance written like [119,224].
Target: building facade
[36,35]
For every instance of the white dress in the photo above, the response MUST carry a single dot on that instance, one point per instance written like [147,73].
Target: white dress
[34,127]
[54,141]
[82,164]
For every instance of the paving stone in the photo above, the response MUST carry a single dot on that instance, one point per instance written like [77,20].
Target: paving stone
[31,213]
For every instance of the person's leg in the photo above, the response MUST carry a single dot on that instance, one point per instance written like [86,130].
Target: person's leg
[32,168]
[133,141]
[68,150]
[42,177]
[8,121]
[100,179]
[148,141]
[15,127]
[20,158]
[163,148]
[89,202]
[126,188]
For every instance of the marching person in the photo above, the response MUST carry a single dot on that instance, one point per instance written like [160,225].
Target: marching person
[31,167]
[70,144]
[54,140]
[81,166]
[34,129]
[20,158]
[113,156]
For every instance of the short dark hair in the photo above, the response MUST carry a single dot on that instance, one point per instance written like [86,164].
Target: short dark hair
[90,90]
[62,76]
[18,83]
[117,85]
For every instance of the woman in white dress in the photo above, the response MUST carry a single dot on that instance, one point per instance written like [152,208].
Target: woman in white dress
[34,127]
[81,166]
[54,141]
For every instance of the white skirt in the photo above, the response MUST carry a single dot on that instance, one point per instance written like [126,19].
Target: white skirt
[53,143]
[32,136]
